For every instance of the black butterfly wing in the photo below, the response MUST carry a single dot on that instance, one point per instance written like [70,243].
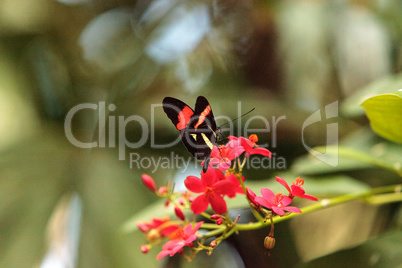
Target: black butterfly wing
[204,114]
[197,128]
[180,114]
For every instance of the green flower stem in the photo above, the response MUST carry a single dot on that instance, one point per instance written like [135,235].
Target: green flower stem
[325,203]
[206,215]
[363,157]
[256,214]
[384,199]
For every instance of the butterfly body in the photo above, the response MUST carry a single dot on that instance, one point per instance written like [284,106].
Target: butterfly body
[197,127]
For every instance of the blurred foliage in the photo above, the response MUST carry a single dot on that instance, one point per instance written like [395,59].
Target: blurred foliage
[287,59]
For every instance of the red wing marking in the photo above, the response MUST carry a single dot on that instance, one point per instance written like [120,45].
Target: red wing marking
[204,114]
[184,117]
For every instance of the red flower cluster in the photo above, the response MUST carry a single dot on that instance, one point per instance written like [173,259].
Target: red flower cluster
[216,184]
[296,189]
[180,238]
[249,145]
[222,156]
[279,203]
[157,228]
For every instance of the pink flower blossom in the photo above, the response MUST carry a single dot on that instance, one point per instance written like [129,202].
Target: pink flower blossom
[179,239]
[223,155]
[212,189]
[278,203]
[250,146]
[296,189]
[157,227]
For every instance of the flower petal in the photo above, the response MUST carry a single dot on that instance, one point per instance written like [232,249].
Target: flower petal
[191,234]
[263,202]
[261,151]
[286,201]
[215,152]
[200,204]
[187,230]
[224,165]
[236,152]
[208,178]
[247,145]
[218,204]
[278,211]
[170,248]
[284,183]
[197,226]
[307,196]
[297,190]
[214,161]
[267,194]
[194,184]
[162,254]
[169,229]
[292,209]
[224,187]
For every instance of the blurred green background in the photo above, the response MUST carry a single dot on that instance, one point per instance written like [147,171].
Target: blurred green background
[63,205]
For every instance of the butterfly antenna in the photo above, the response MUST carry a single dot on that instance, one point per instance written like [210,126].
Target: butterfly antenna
[233,121]
[238,117]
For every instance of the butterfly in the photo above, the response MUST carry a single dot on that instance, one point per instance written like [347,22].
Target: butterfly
[197,128]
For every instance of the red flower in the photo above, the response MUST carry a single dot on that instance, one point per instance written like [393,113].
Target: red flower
[278,203]
[157,228]
[250,146]
[180,238]
[224,154]
[237,189]
[148,182]
[296,190]
[212,189]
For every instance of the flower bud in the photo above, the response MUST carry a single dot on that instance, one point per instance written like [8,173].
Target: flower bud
[167,202]
[269,242]
[213,244]
[179,213]
[148,182]
[215,217]
[219,221]
[153,235]
[251,197]
[162,190]
[144,249]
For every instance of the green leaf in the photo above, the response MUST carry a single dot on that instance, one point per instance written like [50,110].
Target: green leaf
[377,152]
[385,115]
[389,84]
